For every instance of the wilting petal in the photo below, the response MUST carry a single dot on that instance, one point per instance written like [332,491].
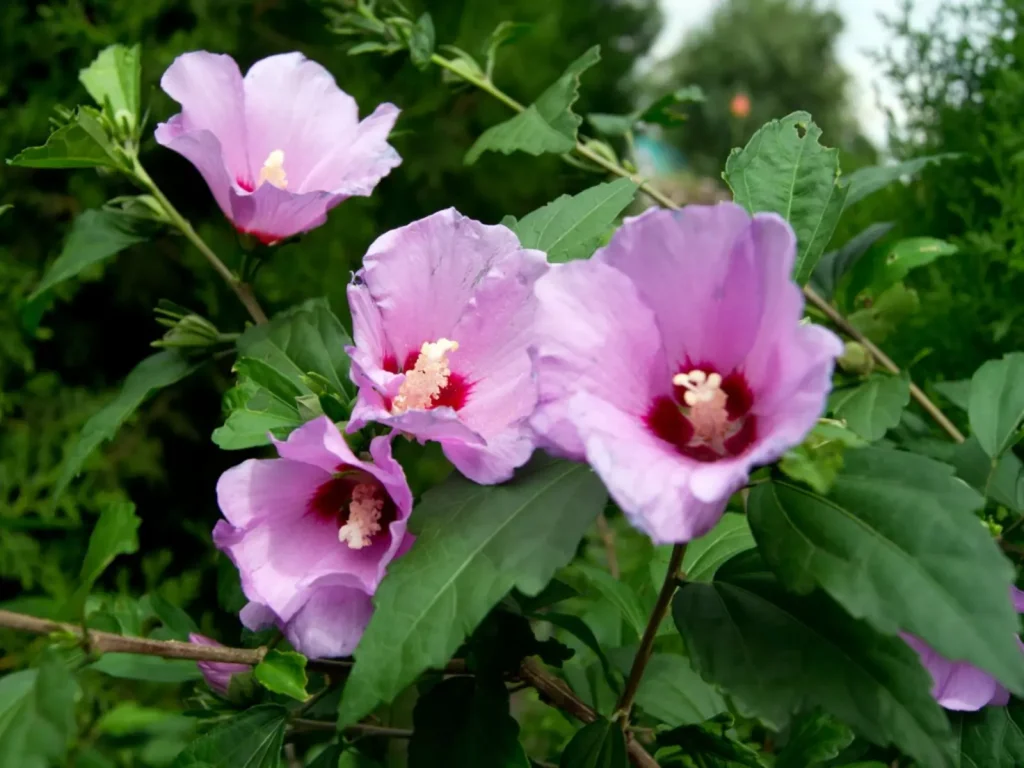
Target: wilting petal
[593,334]
[330,623]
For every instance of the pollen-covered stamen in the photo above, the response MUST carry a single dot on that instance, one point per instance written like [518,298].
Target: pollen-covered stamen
[707,402]
[272,171]
[427,378]
[364,512]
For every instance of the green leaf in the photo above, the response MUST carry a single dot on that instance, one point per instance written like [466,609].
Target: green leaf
[898,518]
[572,226]
[127,718]
[996,403]
[886,314]
[775,653]
[251,739]
[37,715]
[817,460]
[874,407]
[866,181]
[474,543]
[114,79]
[421,41]
[664,110]
[579,629]
[835,264]
[992,737]
[1002,480]
[95,236]
[814,739]
[703,557]
[547,125]
[505,33]
[464,722]
[283,672]
[82,143]
[598,745]
[280,363]
[670,691]
[885,265]
[784,169]
[614,591]
[154,373]
[174,618]
[957,392]
[131,666]
[712,748]
[116,533]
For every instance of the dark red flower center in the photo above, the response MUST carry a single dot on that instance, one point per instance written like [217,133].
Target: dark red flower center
[357,503]
[708,416]
[453,393]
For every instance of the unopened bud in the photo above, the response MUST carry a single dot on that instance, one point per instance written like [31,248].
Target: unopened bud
[856,359]
[217,674]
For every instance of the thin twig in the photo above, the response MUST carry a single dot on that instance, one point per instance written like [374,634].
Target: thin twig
[241,289]
[666,202]
[359,729]
[560,695]
[643,653]
[608,537]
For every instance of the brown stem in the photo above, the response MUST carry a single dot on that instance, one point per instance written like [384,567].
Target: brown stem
[359,729]
[643,653]
[560,695]
[608,537]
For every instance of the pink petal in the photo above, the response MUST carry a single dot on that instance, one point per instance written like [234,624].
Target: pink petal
[593,334]
[648,479]
[209,88]
[496,461]
[273,214]
[320,444]
[331,622]
[1017,596]
[203,150]
[697,271]
[260,488]
[294,105]
[956,685]
[422,276]
[441,424]
[256,616]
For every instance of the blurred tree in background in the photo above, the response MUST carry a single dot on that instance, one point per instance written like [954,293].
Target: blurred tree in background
[777,56]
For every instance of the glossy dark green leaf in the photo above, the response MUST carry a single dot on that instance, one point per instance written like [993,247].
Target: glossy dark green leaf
[464,722]
[283,672]
[473,544]
[547,125]
[872,407]
[1000,480]
[775,652]
[37,715]
[670,691]
[598,745]
[710,747]
[152,374]
[992,737]
[835,264]
[784,169]
[571,227]
[250,739]
[95,236]
[898,518]
[996,403]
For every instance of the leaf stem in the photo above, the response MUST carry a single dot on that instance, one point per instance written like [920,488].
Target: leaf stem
[643,653]
[666,202]
[241,289]
[359,729]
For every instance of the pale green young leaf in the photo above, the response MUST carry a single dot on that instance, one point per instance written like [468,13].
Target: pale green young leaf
[95,236]
[872,407]
[473,544]
[152,374]
[996,403]
[81,143]
[506,33]
[37,715]
[547,125]
[784,169]
[897,518]
[283,672]
[572,226]
[113,80]
[775,653]
[250,739]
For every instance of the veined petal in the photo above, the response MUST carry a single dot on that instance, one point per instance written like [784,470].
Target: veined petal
[271,214]
[260,488]
[331,622]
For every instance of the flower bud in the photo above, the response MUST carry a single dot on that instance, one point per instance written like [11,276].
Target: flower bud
[217,674]
[856,359]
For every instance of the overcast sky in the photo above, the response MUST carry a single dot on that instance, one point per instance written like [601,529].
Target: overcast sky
[862,32]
